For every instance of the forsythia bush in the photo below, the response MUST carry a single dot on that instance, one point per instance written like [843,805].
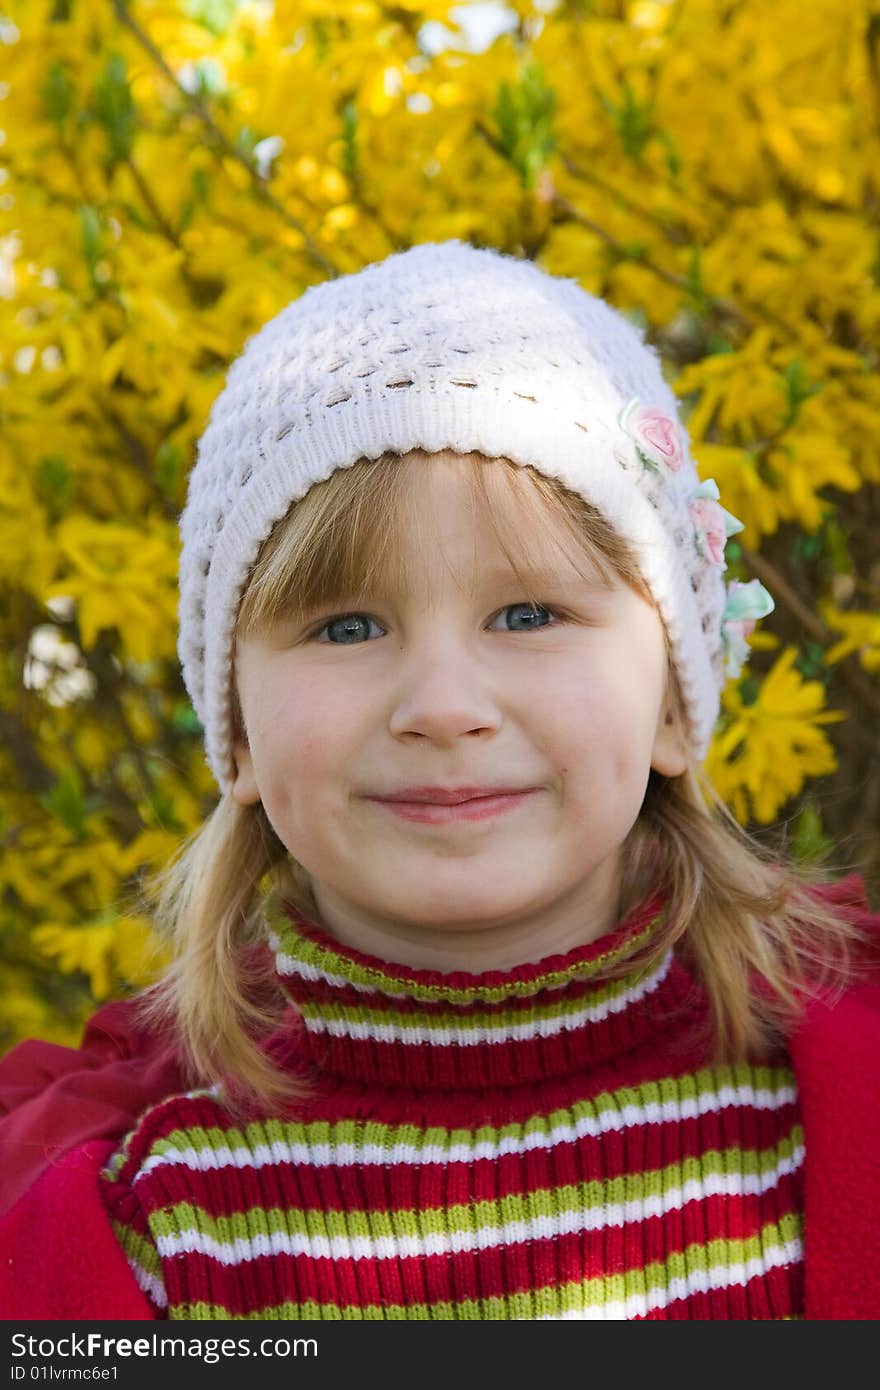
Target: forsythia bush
[172,172]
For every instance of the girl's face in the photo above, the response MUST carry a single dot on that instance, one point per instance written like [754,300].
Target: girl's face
[459,683]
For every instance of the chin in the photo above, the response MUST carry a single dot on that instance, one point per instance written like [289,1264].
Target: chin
[448,909]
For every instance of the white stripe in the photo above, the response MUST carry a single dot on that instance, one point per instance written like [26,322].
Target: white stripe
[468,1151]
[699,1281]
[544,1227]
[471,1034]
[306,970]
[149,1283]
[290,965]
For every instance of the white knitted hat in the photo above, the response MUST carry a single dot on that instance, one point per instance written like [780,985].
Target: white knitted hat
[446,346]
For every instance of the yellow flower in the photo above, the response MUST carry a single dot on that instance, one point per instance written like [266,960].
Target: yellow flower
[78,947]
[861,633]
[24,1014]
[738,390]
[743,491]
[121,578]
[50,869]
[138,954]
[95,743]
[805,461]
[110,951]
[765,751]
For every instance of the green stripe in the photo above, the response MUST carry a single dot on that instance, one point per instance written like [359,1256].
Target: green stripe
[143,1251]
[547,1301]
[673,1090]
[473,1216]
[377,1012]
[396,982]
[110,1171]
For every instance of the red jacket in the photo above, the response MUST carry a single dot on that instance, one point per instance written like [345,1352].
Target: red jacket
[54,1098]
[69,1265]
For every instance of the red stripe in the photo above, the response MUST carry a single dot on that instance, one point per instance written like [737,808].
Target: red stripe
[455,1066]
[376,1009]
[629,927]
[777,1294]
[423,1186]
[478,1274]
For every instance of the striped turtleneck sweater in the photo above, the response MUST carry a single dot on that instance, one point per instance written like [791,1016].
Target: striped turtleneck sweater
[538,1142]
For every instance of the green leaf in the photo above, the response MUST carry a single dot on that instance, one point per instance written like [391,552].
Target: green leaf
[875,264]
[54,480]
[673,158]
[633,121]
[114,108]
[68,804]
[694,277]
[524,114]
[810,662]
[214,15]
[57,93]
[808,841]
[837,547]
[200,182]
[321,36]
[169,464]
[210,77]
[90,237]
[636,316]
[163,809]
[246,141]
[185,719]
[807,547]
[350,125]
[798,389]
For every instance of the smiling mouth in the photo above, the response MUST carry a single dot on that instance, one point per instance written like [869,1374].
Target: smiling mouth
[475,808]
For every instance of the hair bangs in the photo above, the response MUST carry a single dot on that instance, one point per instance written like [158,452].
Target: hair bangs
[338,542]
[334,543]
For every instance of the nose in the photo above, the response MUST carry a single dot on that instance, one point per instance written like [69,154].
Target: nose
[443,692]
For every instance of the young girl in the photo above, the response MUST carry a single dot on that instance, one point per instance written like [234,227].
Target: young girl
[488,1007]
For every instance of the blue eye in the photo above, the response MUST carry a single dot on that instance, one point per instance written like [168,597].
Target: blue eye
[531,614]
[351,628]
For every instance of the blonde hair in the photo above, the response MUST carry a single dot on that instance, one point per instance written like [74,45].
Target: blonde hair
[747,923]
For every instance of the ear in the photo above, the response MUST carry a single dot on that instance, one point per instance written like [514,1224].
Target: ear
[244,789]
[669,754]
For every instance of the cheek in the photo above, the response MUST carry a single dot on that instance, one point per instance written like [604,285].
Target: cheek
[305,734]
[608,710]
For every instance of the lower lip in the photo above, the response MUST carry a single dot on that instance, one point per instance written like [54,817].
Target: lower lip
[479,808]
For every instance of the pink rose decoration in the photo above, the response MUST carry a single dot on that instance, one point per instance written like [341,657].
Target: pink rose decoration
[710,529]
[656,436]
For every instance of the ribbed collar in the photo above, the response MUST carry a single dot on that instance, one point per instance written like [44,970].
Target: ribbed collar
[377,1022]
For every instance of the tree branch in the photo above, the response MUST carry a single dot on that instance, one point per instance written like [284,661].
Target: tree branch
[780,588]
[122,14]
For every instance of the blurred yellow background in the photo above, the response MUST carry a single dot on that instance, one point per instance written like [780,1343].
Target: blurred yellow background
[172,172]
